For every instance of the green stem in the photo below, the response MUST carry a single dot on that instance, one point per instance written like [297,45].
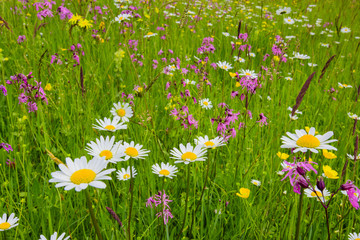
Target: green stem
[327,223]
[298,224]
[131,200]
[186,201]
[93,219]
[202,192]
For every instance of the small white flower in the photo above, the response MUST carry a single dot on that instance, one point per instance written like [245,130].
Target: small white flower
[345,30]
[164,170]
[55,237]
[110,125]
[256,182]
[289,20]
[125,174]
[206,103]
[224,65]
[8,223]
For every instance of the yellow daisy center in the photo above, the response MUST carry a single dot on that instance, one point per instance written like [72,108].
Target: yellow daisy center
[107,154]
[255,183]
[248,74]
[206,103]
[126,176]
[308,141]
[289,20]
[83,176]
[209,143]
[110,127]
[189,155]
[4,225]
[313,194]
[132,152]
[149,33]
[121,112]
[121,18]
[225,67]
[164,172]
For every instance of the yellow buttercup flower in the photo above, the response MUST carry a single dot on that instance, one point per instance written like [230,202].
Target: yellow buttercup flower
[328,155]
[48,87]
[330,173]
[244,193]
[282,156]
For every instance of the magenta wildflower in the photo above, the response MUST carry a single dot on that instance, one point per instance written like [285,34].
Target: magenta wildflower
[6,146]
[162,200]
[21,39]
[3,89]
[262,120]
[353,192]
[293,170]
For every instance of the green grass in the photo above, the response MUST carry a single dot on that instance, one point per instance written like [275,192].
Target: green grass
[64,126]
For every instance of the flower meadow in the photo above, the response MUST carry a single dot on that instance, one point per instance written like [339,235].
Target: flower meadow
[196,119]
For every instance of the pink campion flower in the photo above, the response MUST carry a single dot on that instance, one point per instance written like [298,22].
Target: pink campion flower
[167,85]
[64,13]
[23,98]
[222,105]
[262,120]
[184,71]
[44,13]
[192,121]
[234,94]
[249,113]
[3,89]
[241,125]
[21,39]
[161,200]
[266,56]
[171,51]
[214,65]
[32,106]
[293,169]
[353,193]
[6,146]
[160,52]
[169,95]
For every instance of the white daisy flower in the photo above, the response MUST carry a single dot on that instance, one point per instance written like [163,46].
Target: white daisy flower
[226,34]
[289,20]
[105,148]
[165,170]
[301,56]
[125,174]
[354,236]
[296,111]
[130,150]
[345,30]
[188,153]
[252,54]
[283,10]
[122,17]
[224,65]
[256,182]
[352,157]
[247,73]
[304,141]
[239,59]
[110,125]
[312,64]
[209,143]
[311,194]
[353,116]
[55,237]
[80,173]
[206,103]
[8,223]
[344,85]
[288,78]
[122,110]
[293,117]
[187,81]
[150,34]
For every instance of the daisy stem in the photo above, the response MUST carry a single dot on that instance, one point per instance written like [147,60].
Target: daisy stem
[93,219]
[4,235]
[186,201]
[298,223]
[131,199]
[202,192]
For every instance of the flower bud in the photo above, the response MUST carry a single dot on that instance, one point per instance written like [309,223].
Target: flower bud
[320,184]
[301,171]
[302,182]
